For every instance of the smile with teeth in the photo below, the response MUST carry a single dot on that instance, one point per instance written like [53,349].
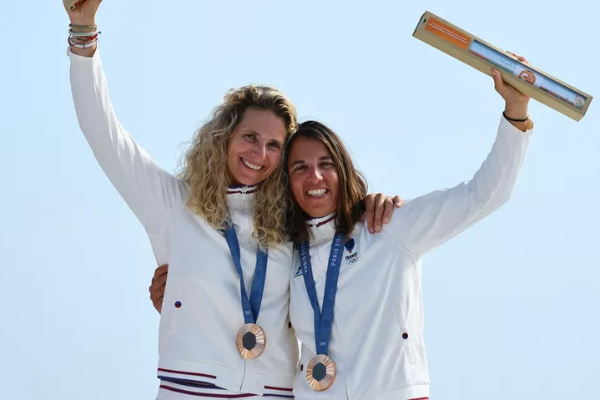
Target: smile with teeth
[251,166]
[317,192]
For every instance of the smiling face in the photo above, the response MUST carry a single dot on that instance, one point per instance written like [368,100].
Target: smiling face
[255,146]
[313,177]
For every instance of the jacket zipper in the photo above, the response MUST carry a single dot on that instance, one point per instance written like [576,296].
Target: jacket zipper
[244,190]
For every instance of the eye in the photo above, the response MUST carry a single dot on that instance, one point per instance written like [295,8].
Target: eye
[275,146]
[327,164]
[251,137]
[299,168]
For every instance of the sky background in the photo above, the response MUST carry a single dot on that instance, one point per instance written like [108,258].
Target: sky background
[511,305]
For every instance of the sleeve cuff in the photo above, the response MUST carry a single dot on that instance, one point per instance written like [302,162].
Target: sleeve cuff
[505,125]
[74,56]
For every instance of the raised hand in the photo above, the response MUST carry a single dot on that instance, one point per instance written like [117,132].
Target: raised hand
[85,14]
[517,103]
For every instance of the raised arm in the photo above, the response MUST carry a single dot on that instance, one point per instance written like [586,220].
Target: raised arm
[147,189]
[428,221]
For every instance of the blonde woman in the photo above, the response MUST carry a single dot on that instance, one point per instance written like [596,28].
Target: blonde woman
[224,329]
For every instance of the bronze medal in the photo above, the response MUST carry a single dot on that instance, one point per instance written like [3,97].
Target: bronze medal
[251,341]
[321,372]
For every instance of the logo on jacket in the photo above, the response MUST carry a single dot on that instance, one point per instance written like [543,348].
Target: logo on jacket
[351,254]
[299,272]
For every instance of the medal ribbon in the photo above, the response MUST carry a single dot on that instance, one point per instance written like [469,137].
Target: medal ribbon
[250,307]
[324,318]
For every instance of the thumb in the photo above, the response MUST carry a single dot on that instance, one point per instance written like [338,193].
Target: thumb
[499,84]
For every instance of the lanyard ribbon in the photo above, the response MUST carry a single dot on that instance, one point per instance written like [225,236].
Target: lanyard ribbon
[324,318]
[250,307]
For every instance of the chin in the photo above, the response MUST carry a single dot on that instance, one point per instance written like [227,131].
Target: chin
[250,181]
[317,212]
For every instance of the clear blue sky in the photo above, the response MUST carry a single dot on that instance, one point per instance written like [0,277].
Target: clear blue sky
[511,304]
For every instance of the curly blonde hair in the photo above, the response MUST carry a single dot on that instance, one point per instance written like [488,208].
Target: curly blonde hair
[205,164]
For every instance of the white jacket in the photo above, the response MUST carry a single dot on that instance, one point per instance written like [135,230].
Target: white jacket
[202,311]
[377,333]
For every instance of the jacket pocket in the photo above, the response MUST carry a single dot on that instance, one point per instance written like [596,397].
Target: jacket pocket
[407,336]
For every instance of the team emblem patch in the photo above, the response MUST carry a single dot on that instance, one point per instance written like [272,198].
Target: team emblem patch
[351,254]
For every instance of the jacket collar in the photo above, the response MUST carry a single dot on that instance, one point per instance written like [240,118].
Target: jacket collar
[322,229]
[241,197]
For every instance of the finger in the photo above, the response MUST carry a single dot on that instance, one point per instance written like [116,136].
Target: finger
[163,269]
[498,82]
[398,202]
[157,292]
[369,213]
[157,297]
[158,305]
[155,278]
[378,212]
[388,209]
[158,286]
[520,58]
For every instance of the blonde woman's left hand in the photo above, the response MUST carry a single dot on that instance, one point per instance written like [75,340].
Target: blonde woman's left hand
[379,209]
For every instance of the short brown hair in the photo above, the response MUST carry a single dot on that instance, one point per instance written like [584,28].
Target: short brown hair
[352,190]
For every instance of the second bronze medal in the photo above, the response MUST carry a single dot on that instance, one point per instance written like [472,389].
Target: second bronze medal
[251,341]
[321,372]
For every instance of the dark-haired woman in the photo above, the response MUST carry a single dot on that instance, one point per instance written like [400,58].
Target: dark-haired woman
[356,302]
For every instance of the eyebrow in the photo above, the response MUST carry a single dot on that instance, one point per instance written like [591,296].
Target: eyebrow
[320,159]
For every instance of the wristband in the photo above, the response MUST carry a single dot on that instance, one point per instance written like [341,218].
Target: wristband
[83,26]
[514,120]
[83,34]
[83,45]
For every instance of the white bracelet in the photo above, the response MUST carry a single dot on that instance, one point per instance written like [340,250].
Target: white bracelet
[79,34]
[84,45]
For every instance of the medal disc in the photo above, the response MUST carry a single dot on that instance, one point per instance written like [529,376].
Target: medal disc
[320,372]
[251,341]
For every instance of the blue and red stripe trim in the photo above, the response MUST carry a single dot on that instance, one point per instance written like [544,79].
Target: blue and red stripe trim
[241,188]
[202,388]
[326,221]
[213,395]
[217,395]
[171,371]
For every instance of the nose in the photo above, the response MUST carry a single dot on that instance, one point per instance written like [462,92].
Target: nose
[260,151]
[315,175]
